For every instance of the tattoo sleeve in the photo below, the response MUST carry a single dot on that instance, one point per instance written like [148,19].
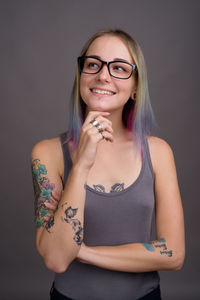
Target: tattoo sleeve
[42,192]
[160,244]
[70,213]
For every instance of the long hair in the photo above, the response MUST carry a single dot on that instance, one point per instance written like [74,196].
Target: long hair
[137,115]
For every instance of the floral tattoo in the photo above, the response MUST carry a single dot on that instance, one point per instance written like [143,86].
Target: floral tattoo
[75,223]
[42,190]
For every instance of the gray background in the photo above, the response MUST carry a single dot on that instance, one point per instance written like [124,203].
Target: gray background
[40,41]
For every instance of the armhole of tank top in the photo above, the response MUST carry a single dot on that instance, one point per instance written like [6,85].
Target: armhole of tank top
[149,157]
[66,157]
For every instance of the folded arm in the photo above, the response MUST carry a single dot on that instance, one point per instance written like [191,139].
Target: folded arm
[168,251]
[59,233]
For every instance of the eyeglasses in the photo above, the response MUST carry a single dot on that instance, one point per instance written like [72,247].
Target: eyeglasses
[118,68]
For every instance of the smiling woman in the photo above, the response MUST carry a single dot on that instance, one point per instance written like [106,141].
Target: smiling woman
[97,185]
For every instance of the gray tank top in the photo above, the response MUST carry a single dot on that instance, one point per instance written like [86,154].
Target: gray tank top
[112,219]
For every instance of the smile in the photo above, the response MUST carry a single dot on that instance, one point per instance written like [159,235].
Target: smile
[102,92]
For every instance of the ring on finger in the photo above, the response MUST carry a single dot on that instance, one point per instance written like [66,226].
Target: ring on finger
[99,127]
[102,134]
[94,122]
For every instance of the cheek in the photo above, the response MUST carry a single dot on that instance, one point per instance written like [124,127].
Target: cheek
[127,89]
[83,85]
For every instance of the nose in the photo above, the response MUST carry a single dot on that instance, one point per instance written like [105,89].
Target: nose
[104,73]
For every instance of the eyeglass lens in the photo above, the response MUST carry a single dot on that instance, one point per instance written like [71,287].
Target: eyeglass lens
[117,69]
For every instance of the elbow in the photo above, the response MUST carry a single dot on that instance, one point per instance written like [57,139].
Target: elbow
[53,261]
[55,265]
[177,262]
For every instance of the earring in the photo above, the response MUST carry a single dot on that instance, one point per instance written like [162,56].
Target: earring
[134,96]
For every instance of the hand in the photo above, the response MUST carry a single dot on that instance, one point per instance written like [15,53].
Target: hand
[90,137]
[52,206]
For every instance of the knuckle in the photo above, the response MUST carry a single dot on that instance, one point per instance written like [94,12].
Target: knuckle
[90,135]
[83,129]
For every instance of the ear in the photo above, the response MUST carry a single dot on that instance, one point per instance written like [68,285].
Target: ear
[133,95]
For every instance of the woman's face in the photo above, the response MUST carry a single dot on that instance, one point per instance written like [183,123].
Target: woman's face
[107,48]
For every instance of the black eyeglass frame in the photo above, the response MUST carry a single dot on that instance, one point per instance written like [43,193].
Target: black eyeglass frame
[134,67]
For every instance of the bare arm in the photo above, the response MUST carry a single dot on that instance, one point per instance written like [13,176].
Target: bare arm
[57,240]
[168,251]
[60,233]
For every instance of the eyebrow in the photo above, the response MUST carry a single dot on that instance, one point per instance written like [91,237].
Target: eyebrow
[115,59]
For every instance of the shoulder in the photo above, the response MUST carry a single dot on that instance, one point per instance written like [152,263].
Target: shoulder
[49,151]
[160,151]
[47,147]
[158,145]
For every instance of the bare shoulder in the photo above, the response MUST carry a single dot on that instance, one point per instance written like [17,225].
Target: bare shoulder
[160,151]
[46,146]
[158,145]
[49,151]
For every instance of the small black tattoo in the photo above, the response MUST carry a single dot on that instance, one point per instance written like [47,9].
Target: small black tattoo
[161,246]
[117,187]
[99,188]
[49,223]
[75,223]
[70,213]
[168,253]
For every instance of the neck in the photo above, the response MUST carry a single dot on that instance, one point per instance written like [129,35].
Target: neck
[117,124]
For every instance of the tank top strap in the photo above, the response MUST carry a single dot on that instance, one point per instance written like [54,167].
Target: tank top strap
[148,156]
[66,156]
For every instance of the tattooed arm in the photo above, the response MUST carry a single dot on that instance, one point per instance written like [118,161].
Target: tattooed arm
[167,252]
[59,233]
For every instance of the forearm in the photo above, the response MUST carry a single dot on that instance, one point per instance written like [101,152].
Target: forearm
[60,239]
[136,257]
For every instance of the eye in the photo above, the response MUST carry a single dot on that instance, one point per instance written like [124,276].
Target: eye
[92,65]
[119,68]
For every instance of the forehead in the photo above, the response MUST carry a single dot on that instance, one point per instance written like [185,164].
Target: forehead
[109,47]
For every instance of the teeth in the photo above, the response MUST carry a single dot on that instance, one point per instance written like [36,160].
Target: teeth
[102,92]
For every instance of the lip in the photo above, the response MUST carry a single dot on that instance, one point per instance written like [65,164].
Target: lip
[108,92]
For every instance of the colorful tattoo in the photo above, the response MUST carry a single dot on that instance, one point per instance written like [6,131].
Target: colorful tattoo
[149,247]
[161,243]
[117,187]
[75,223]
[42,190]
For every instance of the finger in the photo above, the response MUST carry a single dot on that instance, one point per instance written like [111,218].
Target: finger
[105,124]
[56,196]
[50,206]
[47,217]
[102,119]
[107,136]
[94,114]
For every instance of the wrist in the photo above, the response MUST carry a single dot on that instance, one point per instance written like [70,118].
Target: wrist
[79,170]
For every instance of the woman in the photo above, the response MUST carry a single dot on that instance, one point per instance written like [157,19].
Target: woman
[96,186]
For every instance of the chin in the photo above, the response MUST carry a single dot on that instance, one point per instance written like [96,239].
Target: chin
[97,107]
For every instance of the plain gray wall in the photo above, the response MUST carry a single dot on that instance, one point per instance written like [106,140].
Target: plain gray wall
[39,42]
